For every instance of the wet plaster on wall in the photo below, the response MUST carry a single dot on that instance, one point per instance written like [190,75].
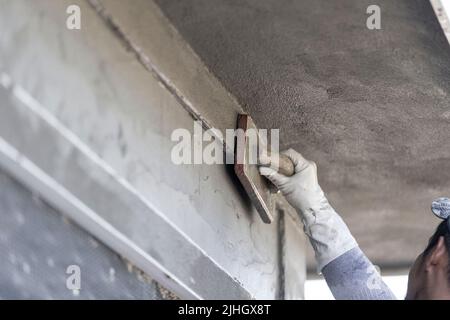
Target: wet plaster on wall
[370,107]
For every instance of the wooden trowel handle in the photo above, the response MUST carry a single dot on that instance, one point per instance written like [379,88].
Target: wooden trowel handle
[285,165]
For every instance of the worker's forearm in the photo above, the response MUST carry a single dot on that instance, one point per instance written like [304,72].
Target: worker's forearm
[348,272]
[353,276]
[327,232]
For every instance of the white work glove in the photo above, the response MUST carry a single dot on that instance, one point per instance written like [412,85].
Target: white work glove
[327,232]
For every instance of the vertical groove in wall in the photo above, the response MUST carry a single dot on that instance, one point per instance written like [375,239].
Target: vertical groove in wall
[281,255]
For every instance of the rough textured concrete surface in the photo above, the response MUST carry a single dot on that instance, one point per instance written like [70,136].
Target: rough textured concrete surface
[371,107]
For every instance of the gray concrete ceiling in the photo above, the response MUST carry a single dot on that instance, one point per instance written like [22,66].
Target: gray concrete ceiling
[371,107]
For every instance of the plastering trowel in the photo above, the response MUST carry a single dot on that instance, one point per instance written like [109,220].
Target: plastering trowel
[259,189]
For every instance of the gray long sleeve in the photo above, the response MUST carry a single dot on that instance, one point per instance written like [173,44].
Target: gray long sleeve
[352,276]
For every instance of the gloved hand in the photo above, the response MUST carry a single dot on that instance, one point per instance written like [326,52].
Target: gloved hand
[327,232]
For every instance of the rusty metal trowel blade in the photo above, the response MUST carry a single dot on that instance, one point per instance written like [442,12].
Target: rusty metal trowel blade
[257,187]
